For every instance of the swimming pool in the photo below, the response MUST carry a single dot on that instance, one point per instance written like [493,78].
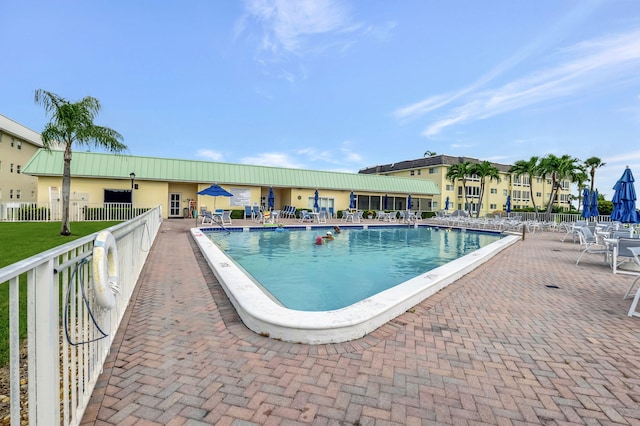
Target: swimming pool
[260,313]
[355,265]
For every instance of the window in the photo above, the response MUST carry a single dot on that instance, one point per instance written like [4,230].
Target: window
[117,196]
[12,142]
[538,194]
[494,190]
[17,194]
[473,191]
[413,172]
[419,172]
[432,171]
[505,192]
[18,169]
[492,206]
[449,187]
[19,144]
[11,194]
[11,168]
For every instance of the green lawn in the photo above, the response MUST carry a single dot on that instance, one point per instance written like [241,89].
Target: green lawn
[19,241]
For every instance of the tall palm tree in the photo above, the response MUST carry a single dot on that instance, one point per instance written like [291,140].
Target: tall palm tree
[580,177]
[72,122]
[559,168]
[484,170]
[593,163]
[530,168]
[460,171]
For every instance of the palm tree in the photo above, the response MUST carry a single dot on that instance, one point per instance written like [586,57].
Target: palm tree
[72,122]
[460,171]
[484,170]
[429,153]
[559,168]
[593,163]
[530,168]
[580,177]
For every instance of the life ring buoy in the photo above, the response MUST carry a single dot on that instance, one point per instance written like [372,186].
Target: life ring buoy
[105,270]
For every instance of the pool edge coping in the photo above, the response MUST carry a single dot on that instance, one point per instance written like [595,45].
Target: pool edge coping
[265,317]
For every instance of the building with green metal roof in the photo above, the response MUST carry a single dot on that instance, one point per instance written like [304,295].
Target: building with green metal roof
[99,178]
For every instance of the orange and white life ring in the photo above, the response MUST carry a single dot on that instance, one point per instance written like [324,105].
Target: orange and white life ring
[105,270]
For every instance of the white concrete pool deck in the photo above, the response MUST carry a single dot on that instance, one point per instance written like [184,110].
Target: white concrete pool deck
[265,317]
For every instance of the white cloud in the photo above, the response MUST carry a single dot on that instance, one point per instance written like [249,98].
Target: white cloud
[589,64]
[288,24]
[209,154]
[274,159]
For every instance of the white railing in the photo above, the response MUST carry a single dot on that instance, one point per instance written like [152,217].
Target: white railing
[68,335]
[78,211]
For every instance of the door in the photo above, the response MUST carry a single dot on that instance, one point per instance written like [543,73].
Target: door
[175,201]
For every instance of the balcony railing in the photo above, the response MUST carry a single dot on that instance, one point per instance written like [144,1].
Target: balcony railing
[68,334]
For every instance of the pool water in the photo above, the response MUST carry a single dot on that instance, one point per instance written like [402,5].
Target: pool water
[357,264]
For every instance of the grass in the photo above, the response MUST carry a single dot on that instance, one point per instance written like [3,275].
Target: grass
[19,241]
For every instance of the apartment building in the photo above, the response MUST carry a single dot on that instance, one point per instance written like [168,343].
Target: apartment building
[522,190]
[17,145]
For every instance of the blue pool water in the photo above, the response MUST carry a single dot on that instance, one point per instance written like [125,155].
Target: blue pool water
[357,264]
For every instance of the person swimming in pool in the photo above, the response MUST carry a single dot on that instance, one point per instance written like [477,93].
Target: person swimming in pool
[336,229]
[329,236]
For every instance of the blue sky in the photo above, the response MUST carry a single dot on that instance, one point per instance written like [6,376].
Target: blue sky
[338,85]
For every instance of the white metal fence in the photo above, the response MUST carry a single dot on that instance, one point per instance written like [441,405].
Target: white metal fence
[78,211]
[68,334]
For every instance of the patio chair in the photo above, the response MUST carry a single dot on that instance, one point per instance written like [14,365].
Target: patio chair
[226,217]
[592,245]
[622,259]
[247,212]
[305,216]
[635,252]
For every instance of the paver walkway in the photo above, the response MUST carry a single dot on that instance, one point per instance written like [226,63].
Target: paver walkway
[502,345]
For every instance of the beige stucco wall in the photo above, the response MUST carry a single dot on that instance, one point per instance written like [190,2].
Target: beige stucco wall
[12,159]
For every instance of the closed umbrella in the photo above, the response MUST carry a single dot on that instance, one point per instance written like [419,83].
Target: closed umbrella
[316,207]
[215,190]
[446,204]
[586,204]
[409,203]
[594,205]
[352,201]
[508,204]
[624,199]
[386,202]
[270,199]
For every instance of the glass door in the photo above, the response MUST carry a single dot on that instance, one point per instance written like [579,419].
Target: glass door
[175,200]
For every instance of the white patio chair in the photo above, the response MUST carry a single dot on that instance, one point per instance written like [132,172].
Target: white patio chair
[635,251]
[591,244]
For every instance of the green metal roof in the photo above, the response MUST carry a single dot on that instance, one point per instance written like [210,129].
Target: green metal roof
[113,166]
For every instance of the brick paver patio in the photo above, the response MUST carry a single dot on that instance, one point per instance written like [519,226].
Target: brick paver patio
[528,338]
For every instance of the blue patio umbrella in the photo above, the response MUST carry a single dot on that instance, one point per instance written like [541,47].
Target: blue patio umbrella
[624,199]
[446,204]
[316,207]
[270,198]
[352,201]
[594,204]
[386,202]
[586,203]
[409,203]
[215,190]
[508,204]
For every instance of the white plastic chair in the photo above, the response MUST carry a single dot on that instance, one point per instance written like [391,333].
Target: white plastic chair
[635,251]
